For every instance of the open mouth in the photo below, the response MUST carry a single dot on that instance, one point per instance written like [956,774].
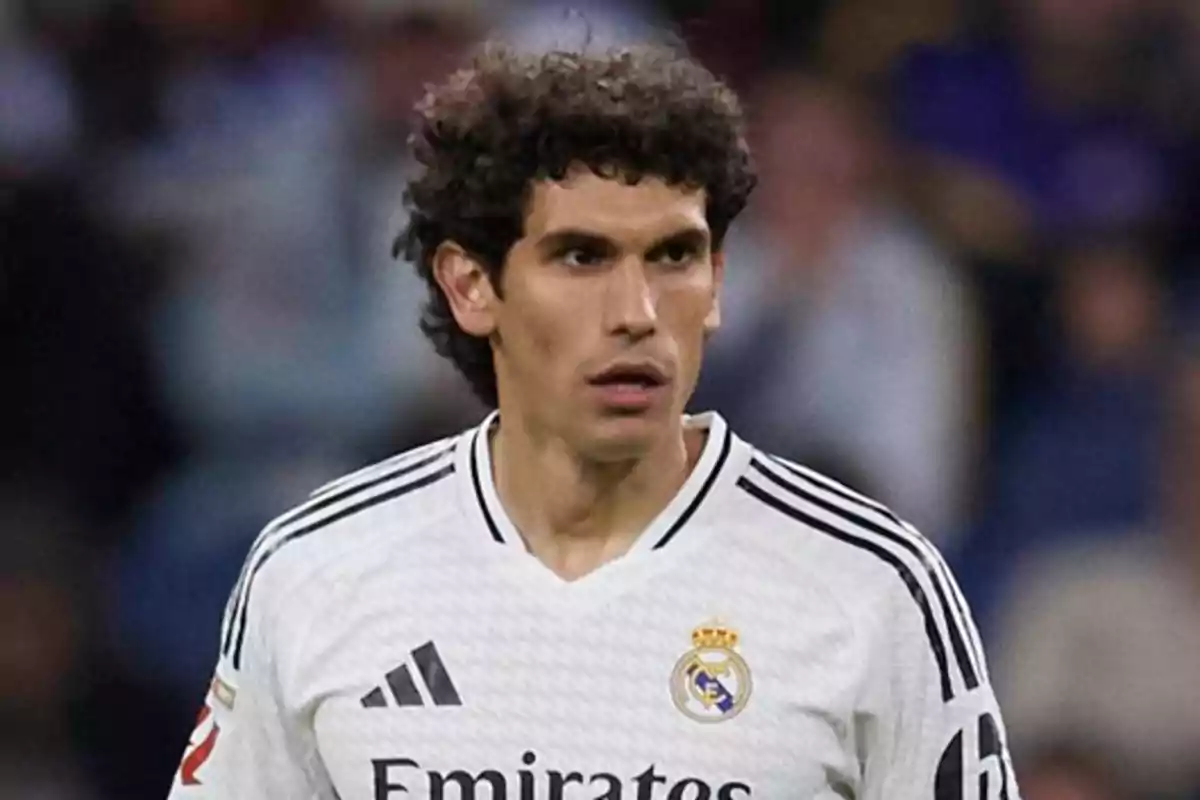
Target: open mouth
[639,376]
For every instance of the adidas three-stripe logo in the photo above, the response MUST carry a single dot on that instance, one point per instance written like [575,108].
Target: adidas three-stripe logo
[403,689]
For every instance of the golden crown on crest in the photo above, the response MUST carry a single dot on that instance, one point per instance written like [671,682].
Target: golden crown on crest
[715,636]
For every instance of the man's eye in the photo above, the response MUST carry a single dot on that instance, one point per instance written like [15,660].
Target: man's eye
[581,257]
[676,254]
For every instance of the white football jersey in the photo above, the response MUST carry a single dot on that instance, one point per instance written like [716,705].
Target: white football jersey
[771,635]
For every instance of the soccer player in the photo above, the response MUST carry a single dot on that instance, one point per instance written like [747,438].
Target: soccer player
[591,594]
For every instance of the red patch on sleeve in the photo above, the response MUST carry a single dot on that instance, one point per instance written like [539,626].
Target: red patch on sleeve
[198,753]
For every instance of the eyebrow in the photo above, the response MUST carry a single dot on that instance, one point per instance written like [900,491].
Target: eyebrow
[559,241]
[697,238]
[567,238]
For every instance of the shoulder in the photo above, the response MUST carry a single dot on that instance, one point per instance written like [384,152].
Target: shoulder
[344,512]
[862,548]
[805,510]
[339,528]
[895,581]
[365,474]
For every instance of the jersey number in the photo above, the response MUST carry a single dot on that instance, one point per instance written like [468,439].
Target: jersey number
[964,768]
[200,747]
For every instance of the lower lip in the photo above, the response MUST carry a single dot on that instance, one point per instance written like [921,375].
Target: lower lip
[627,396]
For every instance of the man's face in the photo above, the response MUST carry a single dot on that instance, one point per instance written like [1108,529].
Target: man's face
[606,304]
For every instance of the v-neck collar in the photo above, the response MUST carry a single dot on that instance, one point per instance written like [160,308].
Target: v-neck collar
[479,488]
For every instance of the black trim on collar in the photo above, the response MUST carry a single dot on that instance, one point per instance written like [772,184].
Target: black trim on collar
[479,498]
[726,445]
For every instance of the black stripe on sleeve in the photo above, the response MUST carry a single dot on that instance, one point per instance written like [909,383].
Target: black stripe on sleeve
[904,540]
[865,504]
[310,508]
[312,527]
[830,485]
[399,460]
[326,500]
[964,618]
[910,580]
[960,609]
[230,611]
[869,505]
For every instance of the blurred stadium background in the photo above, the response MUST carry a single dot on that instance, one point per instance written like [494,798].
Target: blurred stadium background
[968,285]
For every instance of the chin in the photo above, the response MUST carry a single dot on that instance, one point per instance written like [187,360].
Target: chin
[624,438]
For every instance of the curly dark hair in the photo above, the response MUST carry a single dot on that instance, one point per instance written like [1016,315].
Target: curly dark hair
[511,118]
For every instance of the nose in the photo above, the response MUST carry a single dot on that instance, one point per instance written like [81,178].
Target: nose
[629,302]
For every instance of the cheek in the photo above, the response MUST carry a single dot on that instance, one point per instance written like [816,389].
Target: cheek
[543,326]
[686,310]
[695,298]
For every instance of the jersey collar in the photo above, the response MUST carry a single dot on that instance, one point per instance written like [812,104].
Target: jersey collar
[475,467]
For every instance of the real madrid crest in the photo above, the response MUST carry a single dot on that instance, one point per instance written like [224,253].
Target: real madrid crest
[711,682]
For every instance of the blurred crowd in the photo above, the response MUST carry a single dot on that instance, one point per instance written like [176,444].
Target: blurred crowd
[967,285]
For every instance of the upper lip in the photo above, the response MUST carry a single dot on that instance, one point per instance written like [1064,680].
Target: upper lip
[632,370]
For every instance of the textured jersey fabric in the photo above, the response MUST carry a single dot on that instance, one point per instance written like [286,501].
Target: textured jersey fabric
[770,635]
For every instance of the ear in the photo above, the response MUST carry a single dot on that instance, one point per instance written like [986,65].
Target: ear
[713,320]
[468,289]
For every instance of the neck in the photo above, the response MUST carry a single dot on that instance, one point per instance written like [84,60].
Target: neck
[573,512]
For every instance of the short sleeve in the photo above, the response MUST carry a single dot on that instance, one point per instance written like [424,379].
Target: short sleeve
[938,732]
[247,742]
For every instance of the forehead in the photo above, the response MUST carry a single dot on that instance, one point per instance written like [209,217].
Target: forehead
[605,206]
